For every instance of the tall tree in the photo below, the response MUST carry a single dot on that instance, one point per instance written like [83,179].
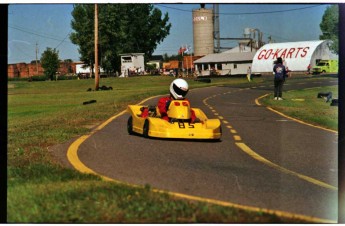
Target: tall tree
[50,62]
[123,28]
[83,24]
[330,27]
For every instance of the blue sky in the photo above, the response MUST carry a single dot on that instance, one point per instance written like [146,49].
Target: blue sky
[48,25]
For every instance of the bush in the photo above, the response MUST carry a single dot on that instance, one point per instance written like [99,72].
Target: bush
[17,79]
[37,78]
[65,77]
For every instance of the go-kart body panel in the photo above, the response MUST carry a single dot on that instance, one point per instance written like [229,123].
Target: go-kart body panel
[176,128]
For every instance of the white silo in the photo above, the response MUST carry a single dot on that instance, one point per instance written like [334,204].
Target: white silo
[203,31]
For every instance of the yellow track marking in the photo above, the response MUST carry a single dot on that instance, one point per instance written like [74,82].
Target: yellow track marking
[257,99]
[74,160]
[300,121]
[72,155]
[237,138]
[258,157]
[291,118]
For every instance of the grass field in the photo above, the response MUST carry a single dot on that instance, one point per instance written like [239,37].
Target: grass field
[40,190]
[304,105]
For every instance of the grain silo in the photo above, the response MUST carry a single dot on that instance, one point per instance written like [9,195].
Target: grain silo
[203,31]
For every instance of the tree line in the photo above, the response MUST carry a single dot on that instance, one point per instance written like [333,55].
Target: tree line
[138,28]
[122,28]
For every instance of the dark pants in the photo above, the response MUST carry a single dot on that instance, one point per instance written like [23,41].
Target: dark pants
[278,88]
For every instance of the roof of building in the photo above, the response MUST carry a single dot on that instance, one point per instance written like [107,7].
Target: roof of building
[226,57]
[156,58]
[131,54]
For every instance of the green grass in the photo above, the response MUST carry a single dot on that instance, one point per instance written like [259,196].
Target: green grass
[40,190]
[92,201]
[304,105]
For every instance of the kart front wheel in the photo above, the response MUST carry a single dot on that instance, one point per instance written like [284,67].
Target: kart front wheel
[130,125]
[146,129]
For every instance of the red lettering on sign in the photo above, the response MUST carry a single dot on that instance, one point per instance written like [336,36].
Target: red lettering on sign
[289,55]
[261,54]
[283,53]
[268,53]
[299,48]
[305,52]
[276,53]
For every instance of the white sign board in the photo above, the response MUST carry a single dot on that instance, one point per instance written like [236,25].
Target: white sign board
[296,55]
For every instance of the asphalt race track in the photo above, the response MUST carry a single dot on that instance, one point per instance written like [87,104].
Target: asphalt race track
[264,159]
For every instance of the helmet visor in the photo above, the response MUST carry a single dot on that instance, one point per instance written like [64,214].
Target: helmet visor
[179,91]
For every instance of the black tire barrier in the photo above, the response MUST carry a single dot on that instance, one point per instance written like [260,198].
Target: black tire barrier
[206,80]
[89,102]
[105,88]
[320,95]
[327,95]
[334,102]
[100,88]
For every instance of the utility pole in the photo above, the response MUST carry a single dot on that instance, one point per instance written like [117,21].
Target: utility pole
[96,48]
[36,59]
[216,33]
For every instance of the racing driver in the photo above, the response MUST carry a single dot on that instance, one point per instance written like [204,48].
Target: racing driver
[178,91]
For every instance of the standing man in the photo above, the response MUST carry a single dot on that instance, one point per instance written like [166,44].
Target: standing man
[249,74]
[279,78]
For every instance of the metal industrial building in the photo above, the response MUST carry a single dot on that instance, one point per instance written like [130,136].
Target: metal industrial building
[226,63]
[296,55]
[203,31]
[251,50]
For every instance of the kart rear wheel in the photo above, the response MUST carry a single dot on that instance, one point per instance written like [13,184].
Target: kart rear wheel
[146,129]
[130,125]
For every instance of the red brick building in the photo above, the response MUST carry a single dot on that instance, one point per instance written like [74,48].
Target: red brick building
[24,70]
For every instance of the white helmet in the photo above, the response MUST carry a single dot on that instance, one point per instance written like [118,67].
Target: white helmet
[179,88]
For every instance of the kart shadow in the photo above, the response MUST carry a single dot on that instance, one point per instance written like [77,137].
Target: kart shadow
[178,139]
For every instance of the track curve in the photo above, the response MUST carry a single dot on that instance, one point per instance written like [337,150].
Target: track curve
[263,161]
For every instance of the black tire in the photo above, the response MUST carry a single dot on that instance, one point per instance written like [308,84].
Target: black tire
[130,125]
[221,132]
[146,129]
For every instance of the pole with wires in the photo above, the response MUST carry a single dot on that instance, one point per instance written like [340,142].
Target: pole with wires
[96,48]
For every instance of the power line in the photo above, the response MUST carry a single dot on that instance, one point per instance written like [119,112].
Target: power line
[37,34]
[247,13]
[277,36]
[63,39]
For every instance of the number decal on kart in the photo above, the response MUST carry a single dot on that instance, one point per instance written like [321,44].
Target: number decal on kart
[182,126]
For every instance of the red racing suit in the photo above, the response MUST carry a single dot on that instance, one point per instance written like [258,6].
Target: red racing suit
[163,105]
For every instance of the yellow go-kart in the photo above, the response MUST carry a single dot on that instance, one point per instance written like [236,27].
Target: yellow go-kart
[179,125]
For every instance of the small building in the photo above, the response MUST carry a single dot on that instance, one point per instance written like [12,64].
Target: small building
[296,55]
[157,61]
[188,62]
[171,65]
[131,63]
[84,70]
[226,63]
